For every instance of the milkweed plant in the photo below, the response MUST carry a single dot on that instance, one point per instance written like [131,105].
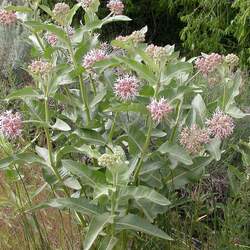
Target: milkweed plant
[114,126]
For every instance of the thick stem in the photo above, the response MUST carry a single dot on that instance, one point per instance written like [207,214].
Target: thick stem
[83,90]
[113,199]
[49,145]
[92,84]
[144,152]
[224,97]
[112,128]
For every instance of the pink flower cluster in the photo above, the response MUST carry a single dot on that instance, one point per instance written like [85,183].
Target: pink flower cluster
[51,39]
[7,17]
[193,138]
[220,125]
[156,52]
[116,6]
[93,56]
[208,64]
[137,37]
[159,109]
[61,9]
[126,87]
[39,67]
[11,124]
[85,3]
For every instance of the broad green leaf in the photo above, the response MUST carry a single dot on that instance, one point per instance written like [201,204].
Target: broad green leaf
[43,153]
[133,222]
[108,243]
[59,32]
[98,98]
[176,152]
[116,18]
[22,9]
[24,93]
[214,148]
[150,210]
[199,108]
[73,183]
[176,71]
[183,175]
[234,111]
[129,107]
[91,177]
[81,205]
[143,192]
[84,149]
[90,136]
[72,13]
[141,69]
[61,125]
[27,158]
[46,9]
[96,226]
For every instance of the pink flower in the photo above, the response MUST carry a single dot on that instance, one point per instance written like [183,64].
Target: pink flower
[136,37]
[70,31]
[93,56]
[156,52]
[39,67]
[208,64]
[7,17]
[85,3]
[126,87]
[159,109]
[220,125]
[51,39]
[11,124]
[116,6]
[193,138]
[61,9]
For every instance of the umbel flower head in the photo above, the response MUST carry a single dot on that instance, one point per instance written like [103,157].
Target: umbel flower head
[7,17]
[116,6]
[208,64]
[11,124]
[126,87]
[232,60]
[51,39]
[159,109]
[136,37]
[85,3]
[93,56]
[156,52]
[220,125]
[112,159]
[60,11]
[194,138]
[39,67]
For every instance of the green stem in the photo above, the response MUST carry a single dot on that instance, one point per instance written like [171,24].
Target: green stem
[92,84]
[113,200]
[112,128]
[144,152]
[224,97]
[83,90]
[49,145]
